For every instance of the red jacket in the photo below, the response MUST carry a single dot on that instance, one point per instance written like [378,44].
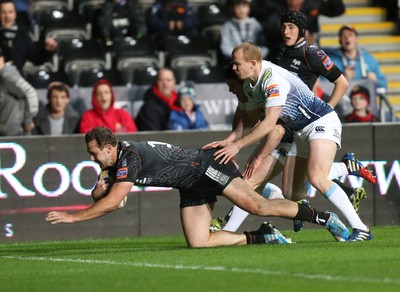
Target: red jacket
[117,120]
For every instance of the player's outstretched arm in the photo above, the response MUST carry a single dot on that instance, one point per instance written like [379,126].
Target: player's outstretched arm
[261,130]
[104,206]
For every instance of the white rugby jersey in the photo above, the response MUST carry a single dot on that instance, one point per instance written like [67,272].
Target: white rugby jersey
[276,86]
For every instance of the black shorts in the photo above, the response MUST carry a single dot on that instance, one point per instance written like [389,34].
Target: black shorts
[211,184]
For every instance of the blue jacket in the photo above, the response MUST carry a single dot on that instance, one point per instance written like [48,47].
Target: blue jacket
[365,63]
[180,121]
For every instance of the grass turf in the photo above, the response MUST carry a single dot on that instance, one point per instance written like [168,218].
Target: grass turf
[315,262]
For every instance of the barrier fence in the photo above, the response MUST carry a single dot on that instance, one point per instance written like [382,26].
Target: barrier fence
[40,174]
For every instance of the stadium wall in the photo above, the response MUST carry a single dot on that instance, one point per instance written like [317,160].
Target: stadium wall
[40,174]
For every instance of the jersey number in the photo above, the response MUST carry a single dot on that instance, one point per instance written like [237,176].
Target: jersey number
[154,143]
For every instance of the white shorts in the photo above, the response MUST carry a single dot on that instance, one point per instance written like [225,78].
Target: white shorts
[327,127]
[282,150]
[299,147]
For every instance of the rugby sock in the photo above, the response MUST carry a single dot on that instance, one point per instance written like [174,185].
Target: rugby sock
[272,191]
[236,219]
[339,198]
[238,215]
[254,237]
[309,214]
[347,189]
[338,169]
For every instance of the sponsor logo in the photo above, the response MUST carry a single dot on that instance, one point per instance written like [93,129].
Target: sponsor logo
[272,90]
[296,62]
[303,111]
[283,152]
[267,74]
[122,173]
[336,134]
[328,63]
[320,129]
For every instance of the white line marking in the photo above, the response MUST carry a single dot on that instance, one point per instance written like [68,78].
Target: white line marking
[325,277]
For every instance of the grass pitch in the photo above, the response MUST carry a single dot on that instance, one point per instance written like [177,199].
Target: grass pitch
[315,263]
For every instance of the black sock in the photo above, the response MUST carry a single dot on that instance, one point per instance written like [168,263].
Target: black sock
[308,214]
[254,237]
[347,189]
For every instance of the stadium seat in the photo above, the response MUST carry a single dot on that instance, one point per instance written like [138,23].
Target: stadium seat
[63,25]
[89,11]
[82,55]
[204,74]
[87,78]
[144,76]
[42,78]
[130,54]
[184,51]
[211,18]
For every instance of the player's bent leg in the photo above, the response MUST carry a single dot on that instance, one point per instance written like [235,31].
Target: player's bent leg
[240,193]
[196,222]
[294,178]
[321,157]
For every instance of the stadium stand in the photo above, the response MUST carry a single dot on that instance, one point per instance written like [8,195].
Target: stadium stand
[377,36]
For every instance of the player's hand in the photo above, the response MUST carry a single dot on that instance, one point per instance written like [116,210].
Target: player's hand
[252,164]
[227,153]
[214,144]
[55,217]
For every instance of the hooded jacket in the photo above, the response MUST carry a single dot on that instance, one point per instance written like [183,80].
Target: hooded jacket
[117,120]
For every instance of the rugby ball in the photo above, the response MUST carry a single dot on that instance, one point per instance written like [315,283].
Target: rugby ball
[110,179]
[123,202]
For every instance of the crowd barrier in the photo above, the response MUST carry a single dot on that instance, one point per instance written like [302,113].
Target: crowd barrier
[40,174]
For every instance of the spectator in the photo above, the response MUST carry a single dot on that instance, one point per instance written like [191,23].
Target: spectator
[16,43]
[19,102]
[269,12]
[121,18]
[190,116]
[360,99]
[241,28]
[312,9]
[57,117]
[171,17]
[104,113]
[355,62]
[159,100]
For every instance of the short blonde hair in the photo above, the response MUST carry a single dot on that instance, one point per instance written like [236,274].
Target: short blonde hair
[251,51]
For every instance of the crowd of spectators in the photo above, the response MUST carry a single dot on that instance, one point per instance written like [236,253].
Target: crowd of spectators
[167,104]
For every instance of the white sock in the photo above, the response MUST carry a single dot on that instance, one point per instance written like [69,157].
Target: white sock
[338,169]
[236,219]
[339,198]
[272,191]
[238,215]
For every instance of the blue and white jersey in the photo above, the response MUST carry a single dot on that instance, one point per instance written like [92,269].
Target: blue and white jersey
[276,86]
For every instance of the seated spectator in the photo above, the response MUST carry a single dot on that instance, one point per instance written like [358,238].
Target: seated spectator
[355,62]
[312,9]
[19,102]
[190,116]
[268,13]
[241,28]
[159,100]
[57,117]
[104,113]
[360,99]
[16,43]
[121,18]
[171,17]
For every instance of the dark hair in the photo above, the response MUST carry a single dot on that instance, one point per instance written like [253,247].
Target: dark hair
[230,74]
[56,85]
[102,136]
[298,19]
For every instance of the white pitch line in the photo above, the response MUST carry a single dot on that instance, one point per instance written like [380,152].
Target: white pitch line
[325,277]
